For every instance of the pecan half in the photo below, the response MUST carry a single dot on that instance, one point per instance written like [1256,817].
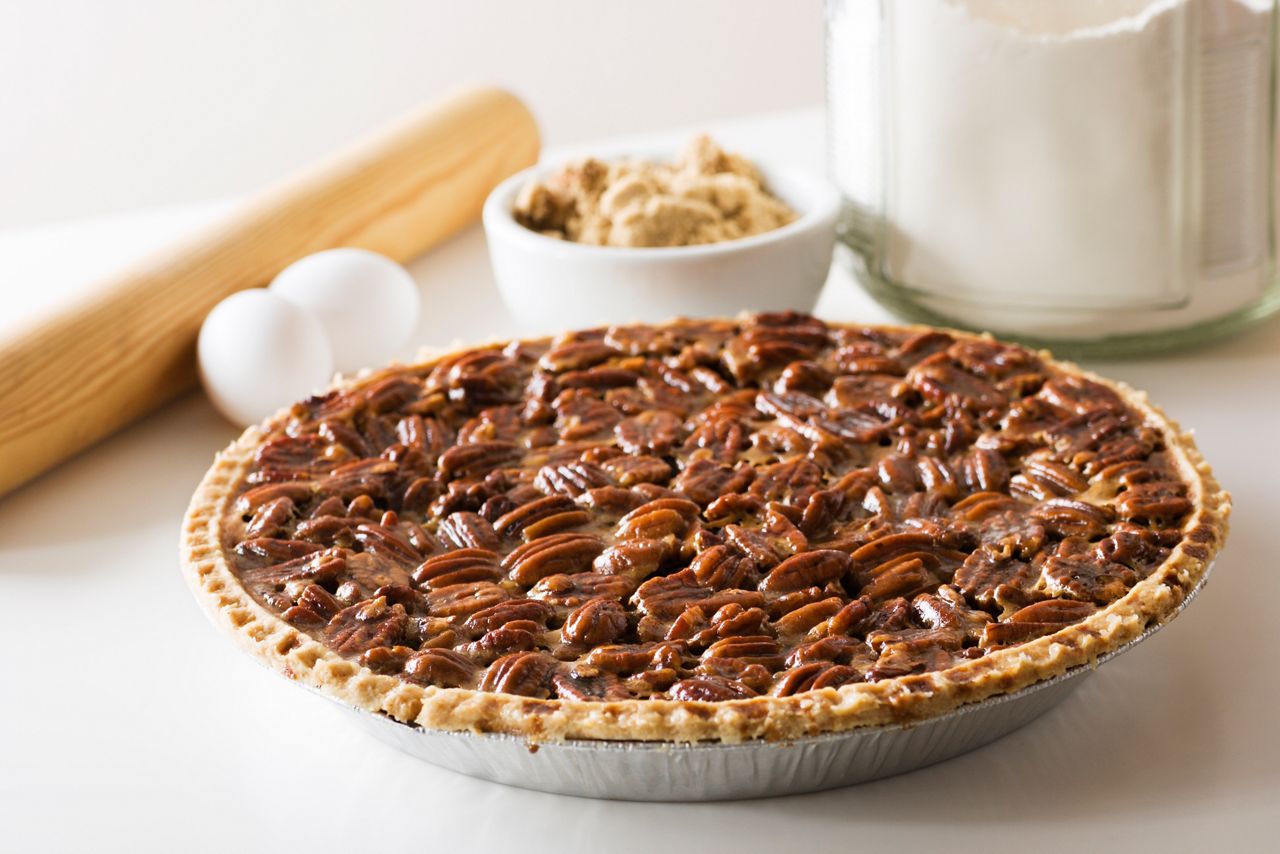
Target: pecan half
[804,618]
[1043,478]
[720,567]
[1135,547]
[764,549]
[667,596]
[458,567]
[515,636]
[477,458]
[527,674]
[388,544]
[991,579]
[703,481]
[902,576]
[1154,501]
[654,431]
[940,381]
[274,550]
[814,676]
[579,415]
[1080,395]
[1035,620]
[387,660]
[1013,533]
[270,518]
[595,622]
[503,613]
[254,498]
[984,470]
[840,650]
[610,501]
[631,470]
[315,607]
[571,479]
[584,682]
[709,689]
[552,555]
[458,600]
[1075,571]
[755,649]
[654,520]
[366,625]
[1069,518]
[636,559]
[467,530]
[570,591]
[844,621]
[442,667]
[325,567]
[633,658]
[946,609]
[576,355]
[514,522]
[921,655]
[807,569]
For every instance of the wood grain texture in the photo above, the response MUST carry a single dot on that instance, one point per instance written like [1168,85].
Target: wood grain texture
[73,378]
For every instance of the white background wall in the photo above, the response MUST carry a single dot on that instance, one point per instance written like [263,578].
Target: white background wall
[117,104]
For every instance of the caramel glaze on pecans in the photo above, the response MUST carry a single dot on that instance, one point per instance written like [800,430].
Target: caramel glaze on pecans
[703,510]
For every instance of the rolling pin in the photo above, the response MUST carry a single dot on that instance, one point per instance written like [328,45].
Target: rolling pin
[129,346]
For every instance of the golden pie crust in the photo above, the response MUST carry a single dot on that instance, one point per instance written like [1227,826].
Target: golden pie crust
[295,654]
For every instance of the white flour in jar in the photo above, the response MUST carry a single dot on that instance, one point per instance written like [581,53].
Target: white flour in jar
[1045,167]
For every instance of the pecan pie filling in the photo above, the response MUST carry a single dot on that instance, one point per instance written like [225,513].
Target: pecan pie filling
[703,510]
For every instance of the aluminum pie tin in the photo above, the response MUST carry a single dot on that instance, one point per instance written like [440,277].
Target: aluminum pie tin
[714,771]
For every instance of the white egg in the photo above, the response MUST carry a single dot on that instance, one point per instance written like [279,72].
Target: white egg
[367,303]
[258,352]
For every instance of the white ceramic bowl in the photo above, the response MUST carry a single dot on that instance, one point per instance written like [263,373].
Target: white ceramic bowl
[550,284]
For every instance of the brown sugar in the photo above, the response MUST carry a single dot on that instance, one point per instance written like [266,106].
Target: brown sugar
[706,196]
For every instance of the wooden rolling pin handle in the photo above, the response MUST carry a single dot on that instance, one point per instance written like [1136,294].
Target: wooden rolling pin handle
[75,377]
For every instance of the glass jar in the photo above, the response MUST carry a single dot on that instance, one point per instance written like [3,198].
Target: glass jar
[1094,175]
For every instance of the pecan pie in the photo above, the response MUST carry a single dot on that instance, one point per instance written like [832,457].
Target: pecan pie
[758,528]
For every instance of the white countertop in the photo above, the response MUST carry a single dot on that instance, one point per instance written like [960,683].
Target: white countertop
[127,723]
